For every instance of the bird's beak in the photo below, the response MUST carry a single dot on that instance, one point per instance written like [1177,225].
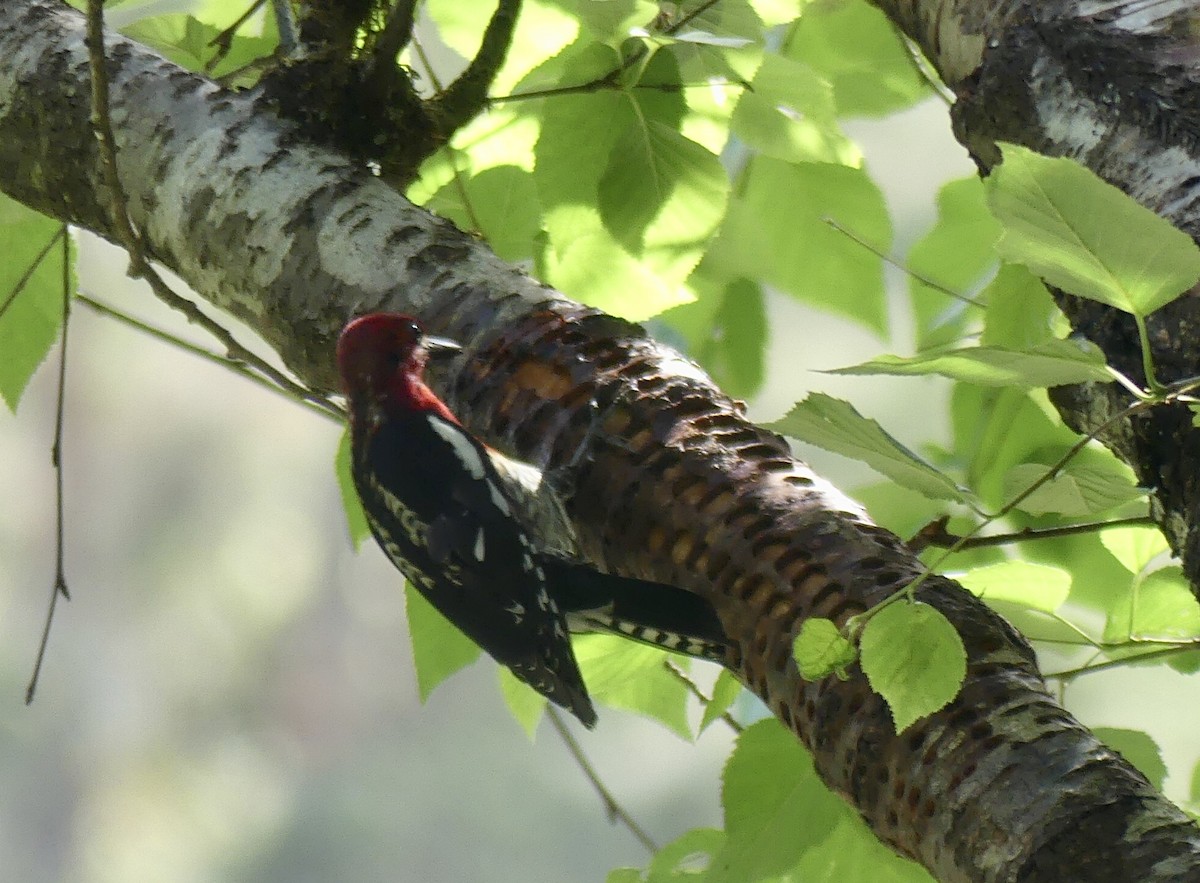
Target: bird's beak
[440,347]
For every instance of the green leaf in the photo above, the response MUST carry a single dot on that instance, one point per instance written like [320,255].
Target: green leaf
[1086,236]
[1036,586]
[725,691]
[1053,363]
[526,704]
[439,649]
[676,860]
[631,676]
[1077,491]
[1160,607]
[501,204]
[820,649]
[543,30]
[956,254]
[1138,748]
[29,317]
[1020,310]
[788,113]
[726,330]
[661,190]
[1135,547]
[775,806]
[855,47]
[777,231]
[851,853]
[914,659]
[356,518]
[834,424]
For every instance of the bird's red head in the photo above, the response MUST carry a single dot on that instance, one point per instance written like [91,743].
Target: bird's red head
[382,356]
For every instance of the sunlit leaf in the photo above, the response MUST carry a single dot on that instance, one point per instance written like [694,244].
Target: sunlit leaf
[439,649]
[1037,586]
[775,806]
[836,426]
[914,659]
[1077,490]
[821,649]
[1053,363]
[1087,237]
[1137,747]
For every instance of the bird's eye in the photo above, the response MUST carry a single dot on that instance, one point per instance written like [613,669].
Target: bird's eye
[415,330]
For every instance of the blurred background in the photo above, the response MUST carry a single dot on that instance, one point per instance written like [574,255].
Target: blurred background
[229,694]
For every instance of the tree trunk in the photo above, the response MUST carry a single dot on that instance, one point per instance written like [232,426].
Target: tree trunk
[1003,784]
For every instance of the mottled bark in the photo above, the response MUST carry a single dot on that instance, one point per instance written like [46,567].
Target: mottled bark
[1002,785]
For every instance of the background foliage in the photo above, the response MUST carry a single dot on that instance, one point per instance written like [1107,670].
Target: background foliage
[693,171]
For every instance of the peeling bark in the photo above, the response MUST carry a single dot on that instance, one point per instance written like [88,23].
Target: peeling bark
[1002,785]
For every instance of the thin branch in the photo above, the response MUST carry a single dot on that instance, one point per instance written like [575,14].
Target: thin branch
[924,280]
[935,533]
[611,79]
[467,95]
[315,403]
[682,676]
[614,810]
[60,577]
[395,34]
[224,40]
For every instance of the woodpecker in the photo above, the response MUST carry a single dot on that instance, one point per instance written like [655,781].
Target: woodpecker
[483,537]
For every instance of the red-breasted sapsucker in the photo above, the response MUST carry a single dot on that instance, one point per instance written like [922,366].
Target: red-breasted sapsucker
[483,537]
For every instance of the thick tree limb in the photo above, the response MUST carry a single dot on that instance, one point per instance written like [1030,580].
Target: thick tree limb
[1002,785]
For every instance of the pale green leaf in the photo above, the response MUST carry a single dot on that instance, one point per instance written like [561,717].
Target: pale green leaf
[725,691]
[836,426]
[914,659]
[1076,491]
[439,649]
[851,853]
[661,190]
[679,859]
[1086,236]
[956,254]
[777,230]
[856,48]
[526,704]
[788,113]
[356,518]
[1135,547]
[1020,311]
[29,317]
[1137,747]
[1037,586]
[1053,363]
[821,649]
[1160,606]
[775,806]
[500,203]
[626,675]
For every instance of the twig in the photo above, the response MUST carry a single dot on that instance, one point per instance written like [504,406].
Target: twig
[886,258]
[60,577]
[316,404]
[224,40]
[614,810]
[935,533]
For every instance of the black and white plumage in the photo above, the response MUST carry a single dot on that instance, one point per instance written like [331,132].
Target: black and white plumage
[470,528]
